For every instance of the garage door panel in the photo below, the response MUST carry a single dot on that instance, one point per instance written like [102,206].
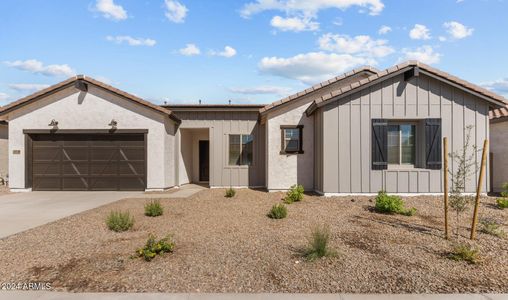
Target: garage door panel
[75,153]
[88,162]
[46,168]
[131,168]
[75,168]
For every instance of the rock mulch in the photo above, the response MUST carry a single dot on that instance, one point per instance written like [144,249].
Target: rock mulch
[230,245]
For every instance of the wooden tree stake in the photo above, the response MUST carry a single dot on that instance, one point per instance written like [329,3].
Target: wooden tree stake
[445,183]
[479,190]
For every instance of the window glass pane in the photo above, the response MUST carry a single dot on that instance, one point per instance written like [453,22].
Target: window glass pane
[234,149]
[247,149]
[407,137]
[393,144]
[292,139]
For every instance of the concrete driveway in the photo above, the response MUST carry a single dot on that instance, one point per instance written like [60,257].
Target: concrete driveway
[22,211]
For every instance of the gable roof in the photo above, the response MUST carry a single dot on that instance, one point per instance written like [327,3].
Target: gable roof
[73,81]
[364,69]
[485,94]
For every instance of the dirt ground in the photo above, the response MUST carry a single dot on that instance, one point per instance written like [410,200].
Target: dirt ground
[230,245]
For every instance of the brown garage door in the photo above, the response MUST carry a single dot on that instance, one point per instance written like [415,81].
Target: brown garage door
[93,162]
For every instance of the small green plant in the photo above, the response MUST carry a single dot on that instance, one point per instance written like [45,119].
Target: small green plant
[492,227]
[294,194]
[502,203]
[504,193]
[230,193]
[153,209]
[318,244]
[119,221]
[465,252]
[391,204]
[153,247]
[278,211]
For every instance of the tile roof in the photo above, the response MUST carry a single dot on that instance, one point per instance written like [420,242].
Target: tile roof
[318,86]
[405,65]
[66,83]
[498,113]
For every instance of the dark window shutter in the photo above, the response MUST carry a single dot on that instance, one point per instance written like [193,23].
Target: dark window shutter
[433,143]
[379,144]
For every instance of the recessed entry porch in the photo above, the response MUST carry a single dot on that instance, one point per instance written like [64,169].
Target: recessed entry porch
[194,163]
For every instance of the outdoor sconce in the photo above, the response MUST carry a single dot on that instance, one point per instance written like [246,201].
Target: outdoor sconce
[53,124]
[113,124]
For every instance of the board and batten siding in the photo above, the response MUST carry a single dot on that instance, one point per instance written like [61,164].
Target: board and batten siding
[220,124]
[345,158]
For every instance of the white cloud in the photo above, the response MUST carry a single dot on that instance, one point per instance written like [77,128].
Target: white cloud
[37,67]
[190,50]
[120,39]
[361,45]
[30,87]
[308,8]
[295,24]
[262,90]
[419,32]
[175,11]
[384,29]
[498,86]
[311,68]
[424,54]
[3,96]
[442,38]
[457,30]
[227,52]
[111,10]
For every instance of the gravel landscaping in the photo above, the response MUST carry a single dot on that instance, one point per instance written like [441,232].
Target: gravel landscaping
[230,245]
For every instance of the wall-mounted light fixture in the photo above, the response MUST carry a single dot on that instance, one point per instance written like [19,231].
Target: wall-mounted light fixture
[53,124]
[113,124]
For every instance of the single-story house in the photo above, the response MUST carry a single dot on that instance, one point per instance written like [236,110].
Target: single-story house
[361,132]
[499,148]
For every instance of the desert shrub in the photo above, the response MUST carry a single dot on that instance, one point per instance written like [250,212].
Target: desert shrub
[153,209]
[504,193]
[492,227]
[391,204]
[465,252]
[502,203]
[278,211]
[294,194]
[119,221]
[230,193]
[318,244]
[153,247]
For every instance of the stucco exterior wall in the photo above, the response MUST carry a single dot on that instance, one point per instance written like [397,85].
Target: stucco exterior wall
[498,147]
[347,152]
[220,124]
[94,110]
[285,170]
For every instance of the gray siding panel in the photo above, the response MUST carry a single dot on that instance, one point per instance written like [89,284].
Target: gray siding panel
[220,125]
[346,160]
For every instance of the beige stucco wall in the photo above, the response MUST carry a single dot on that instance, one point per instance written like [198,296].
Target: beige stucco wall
[499,149]
[94,110]
[4,151]
[285,170]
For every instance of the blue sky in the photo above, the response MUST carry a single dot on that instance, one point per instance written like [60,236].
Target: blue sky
[253,51]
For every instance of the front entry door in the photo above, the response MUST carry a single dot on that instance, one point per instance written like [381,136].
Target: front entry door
[204,162]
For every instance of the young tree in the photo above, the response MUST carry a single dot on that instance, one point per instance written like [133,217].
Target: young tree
[465,166]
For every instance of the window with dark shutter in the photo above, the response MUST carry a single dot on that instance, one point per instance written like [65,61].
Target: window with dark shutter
[433,143]
[379,144]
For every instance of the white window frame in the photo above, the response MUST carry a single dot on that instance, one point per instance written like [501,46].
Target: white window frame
[401,165]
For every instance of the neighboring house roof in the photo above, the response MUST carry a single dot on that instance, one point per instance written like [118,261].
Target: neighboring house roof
[499,114]
[276,104]
[84,79]
[400,69]
[214,107]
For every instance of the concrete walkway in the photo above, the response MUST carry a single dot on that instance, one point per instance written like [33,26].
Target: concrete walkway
[41,295]
[183,191]
[22,211]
